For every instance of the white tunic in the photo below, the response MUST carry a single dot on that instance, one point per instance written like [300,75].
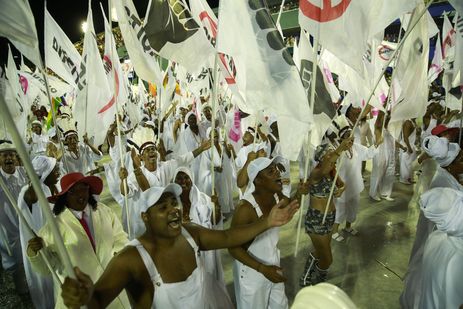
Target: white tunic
[83,164]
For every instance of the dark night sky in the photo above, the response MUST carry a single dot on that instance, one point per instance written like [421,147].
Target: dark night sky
[70,14]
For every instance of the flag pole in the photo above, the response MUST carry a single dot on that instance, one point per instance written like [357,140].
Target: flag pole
[308,156]
[279,13]
[330,197]
[43,202]
[214,110]
[53,113]
[461,114]
[118,123]
[27,225]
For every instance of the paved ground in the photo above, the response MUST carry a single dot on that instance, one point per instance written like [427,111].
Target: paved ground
[360,267]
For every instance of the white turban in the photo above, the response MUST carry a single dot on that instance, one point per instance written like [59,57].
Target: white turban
[322,295]
[441,150]
[152,195]
[254,169]
[43,166]
[444,207]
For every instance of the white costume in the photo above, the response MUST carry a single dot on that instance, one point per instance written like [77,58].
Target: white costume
[351,174]
[109,239]
[197,291]
[406,159]
[382,174]
[82,164]
[443,253]
[160,177]
[201,213]
[38,145]
[253,289]
[10,245]
[40,286]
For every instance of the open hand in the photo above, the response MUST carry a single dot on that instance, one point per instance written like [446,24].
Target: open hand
[282,213]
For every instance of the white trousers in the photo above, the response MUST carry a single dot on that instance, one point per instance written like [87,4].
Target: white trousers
[346,210]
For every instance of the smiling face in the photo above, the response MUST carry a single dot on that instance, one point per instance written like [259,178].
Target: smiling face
[164,218]
[77,196]
[8,161]
[270,179]
[208,113]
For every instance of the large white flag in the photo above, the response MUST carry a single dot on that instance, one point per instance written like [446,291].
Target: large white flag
[267,71]
[18,25]
[206,17]
[448,40]
[14,96]
[323,109]
[175,35]
[344,26]
[412,72]
[94,110]
[437,62]
[116,79]
[61,55]
[136,42]
[57,87]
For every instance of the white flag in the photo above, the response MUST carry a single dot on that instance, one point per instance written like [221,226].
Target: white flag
[344,26]
[56,86]
[437,62]
[267,71]
[18,25]
[94,110]
[175,35]
[412,72]
[14,96]
[116,80]
[60,54]
[142,55]
[458,65]
[448,40]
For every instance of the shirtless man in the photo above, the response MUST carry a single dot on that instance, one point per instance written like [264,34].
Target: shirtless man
[165,258]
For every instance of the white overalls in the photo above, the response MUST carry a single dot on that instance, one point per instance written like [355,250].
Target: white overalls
[252,289]
[197,291]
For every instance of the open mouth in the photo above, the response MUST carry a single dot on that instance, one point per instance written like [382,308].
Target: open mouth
[175,222]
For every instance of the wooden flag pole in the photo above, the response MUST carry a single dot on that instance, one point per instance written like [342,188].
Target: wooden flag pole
[43,202]
[308,155]
[330,197]
[118,123]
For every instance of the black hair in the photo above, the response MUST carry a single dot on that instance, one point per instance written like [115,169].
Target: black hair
[60,204]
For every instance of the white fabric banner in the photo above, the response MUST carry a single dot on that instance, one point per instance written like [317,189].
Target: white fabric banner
[142,55]
[412,72]
[271,80]
[18,25]
[94,110]
[61,55]
[344,26]
[437,62]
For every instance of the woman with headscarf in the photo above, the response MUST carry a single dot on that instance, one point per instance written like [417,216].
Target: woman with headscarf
[40,287]
[442,267]
[91,232]
[448,157]
[321,180]
[223,173]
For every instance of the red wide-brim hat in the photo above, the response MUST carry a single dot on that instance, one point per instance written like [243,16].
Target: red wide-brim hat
[71,179]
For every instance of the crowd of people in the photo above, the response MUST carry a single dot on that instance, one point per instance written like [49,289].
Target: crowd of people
[162,251]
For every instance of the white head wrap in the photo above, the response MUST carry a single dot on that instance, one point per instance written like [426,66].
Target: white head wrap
[322,295]
[444,207]
[188,116]
[43,166]
[441,150]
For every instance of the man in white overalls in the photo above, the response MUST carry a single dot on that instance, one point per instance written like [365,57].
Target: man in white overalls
[258,277]
[161,268]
